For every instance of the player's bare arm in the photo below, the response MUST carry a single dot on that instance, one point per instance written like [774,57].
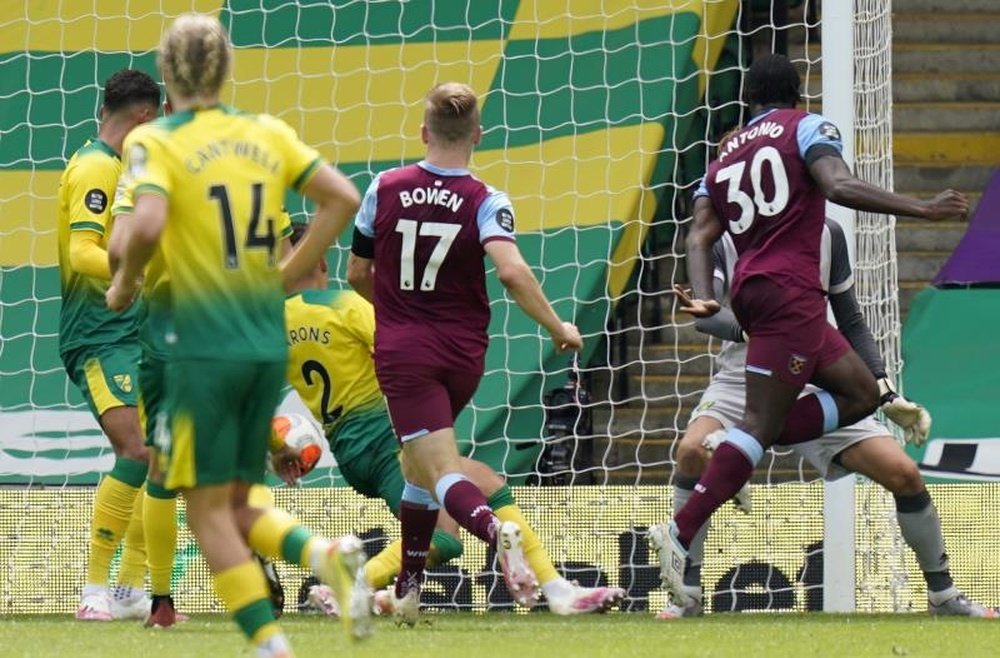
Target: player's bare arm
[705,230]
[361,276]
[517,277]
[116,243]
[336,201]
[140,244]
[840,186]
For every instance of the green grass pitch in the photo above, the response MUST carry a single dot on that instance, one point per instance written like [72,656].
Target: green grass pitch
[528,636]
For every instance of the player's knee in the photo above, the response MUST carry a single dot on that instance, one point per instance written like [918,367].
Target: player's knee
[906,479]
[135,450]
[691,456]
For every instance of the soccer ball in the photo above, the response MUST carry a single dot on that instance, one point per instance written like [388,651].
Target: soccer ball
[302,434]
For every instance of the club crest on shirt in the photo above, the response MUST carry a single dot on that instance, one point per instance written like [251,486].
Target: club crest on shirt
[796,363]
[505,218]
[124,382]
[96,201]
[829,131]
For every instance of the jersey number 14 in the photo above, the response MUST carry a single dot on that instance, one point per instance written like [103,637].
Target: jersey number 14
[253,240]
[750,207]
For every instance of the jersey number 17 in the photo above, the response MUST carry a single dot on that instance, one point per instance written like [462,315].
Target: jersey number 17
[410,230]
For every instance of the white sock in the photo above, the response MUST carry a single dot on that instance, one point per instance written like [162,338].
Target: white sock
[317,554]
[557,588]
[276,645]
[91,589]
[945,595]
[126,593]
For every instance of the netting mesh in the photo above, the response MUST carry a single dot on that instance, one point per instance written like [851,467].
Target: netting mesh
[598,119]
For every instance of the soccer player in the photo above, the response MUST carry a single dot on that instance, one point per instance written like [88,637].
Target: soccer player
[100,349]
[866,447]
[768,189]
[419,243]
[208,184]
[331,337]
[160,504]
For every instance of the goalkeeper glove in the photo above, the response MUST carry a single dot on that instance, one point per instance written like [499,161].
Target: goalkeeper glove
[914,420]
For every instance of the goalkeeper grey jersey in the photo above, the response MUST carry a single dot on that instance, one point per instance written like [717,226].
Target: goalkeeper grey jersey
[835,274]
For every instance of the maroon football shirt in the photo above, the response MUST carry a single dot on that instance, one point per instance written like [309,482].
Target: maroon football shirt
[762,190]
[431,307]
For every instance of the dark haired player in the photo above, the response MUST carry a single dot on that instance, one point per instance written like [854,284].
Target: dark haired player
[420,239]
[768,189]
[100,349]
[866,447]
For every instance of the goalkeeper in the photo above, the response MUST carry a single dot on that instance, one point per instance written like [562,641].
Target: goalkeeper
[867,447]
[331,336]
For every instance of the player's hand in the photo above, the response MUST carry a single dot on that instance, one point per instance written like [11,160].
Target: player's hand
[699,308]
[286,465]
[912,418]
[567,338]
[120,294]
[947,205]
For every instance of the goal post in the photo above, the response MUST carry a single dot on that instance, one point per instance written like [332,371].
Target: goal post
[838,27]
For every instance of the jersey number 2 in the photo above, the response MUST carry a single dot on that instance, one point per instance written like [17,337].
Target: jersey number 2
[253,240]
[758,205]
[330,416]
[410,229]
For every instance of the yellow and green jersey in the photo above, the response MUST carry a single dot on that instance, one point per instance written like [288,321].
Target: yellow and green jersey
[224,174]
[155,322]
[86,193]
[331,338]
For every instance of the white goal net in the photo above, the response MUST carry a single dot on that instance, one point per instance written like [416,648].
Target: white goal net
[598,117]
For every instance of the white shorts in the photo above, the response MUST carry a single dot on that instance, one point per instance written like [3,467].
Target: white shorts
[724,400]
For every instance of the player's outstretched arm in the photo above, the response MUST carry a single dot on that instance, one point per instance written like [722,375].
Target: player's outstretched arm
[336,200]
[150,217]
[913,418]
[722,325]
[840,186]
[705,230]
[517,277]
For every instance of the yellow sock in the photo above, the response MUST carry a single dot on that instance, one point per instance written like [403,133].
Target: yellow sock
[112,511]
[260,496]
[381,569]
[160,523]
[133,567]
[538,558]
[243,590]
[278,534]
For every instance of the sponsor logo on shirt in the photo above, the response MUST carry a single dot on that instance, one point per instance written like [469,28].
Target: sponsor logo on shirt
[96,201]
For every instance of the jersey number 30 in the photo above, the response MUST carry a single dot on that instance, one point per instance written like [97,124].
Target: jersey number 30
[758,205]
[410,229]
